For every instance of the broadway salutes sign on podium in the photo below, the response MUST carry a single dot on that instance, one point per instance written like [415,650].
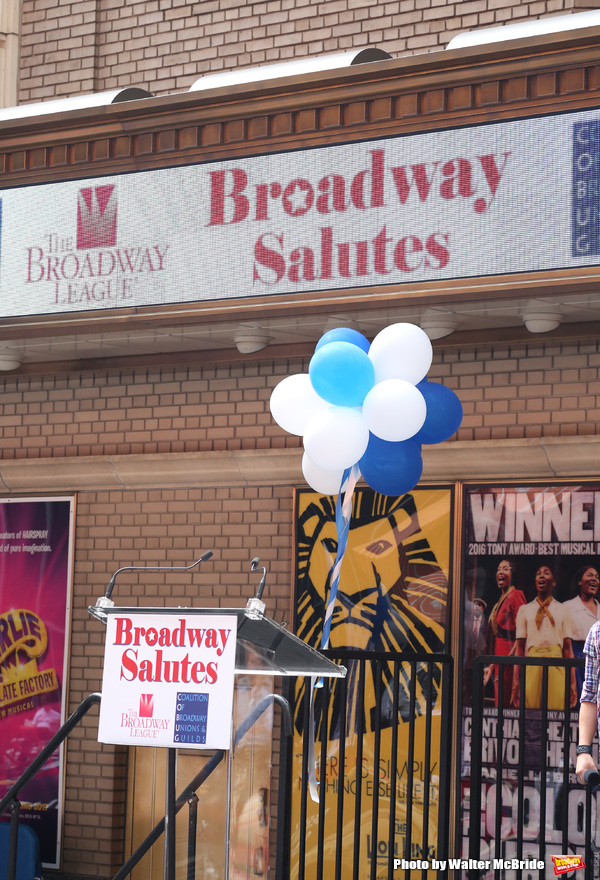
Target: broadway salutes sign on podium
[168,679]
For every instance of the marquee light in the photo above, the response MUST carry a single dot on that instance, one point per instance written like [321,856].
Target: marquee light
[298,67]
[77,102]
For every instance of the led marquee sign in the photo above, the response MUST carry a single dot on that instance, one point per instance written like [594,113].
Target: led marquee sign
[518,196]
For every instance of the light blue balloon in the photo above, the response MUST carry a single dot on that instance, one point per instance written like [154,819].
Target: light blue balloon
[344,334]
[341,373]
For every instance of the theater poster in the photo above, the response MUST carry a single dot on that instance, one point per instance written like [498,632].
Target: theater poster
[394,596]
[36,552]
[531,567]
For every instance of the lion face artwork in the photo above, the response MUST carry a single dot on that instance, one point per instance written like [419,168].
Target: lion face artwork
[393,589]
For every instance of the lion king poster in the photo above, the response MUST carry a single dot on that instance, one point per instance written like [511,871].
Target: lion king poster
[394,599]
[36,550]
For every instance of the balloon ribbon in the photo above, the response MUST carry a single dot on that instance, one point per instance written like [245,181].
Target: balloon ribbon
[343,514]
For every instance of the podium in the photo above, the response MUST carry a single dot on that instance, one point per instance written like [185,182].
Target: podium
[200,683]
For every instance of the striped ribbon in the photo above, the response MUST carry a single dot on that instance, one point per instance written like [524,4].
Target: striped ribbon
[343,514]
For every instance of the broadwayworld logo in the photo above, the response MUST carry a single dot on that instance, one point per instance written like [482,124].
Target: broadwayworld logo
[564,864]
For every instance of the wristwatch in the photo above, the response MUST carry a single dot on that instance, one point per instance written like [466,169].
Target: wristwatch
[584,750]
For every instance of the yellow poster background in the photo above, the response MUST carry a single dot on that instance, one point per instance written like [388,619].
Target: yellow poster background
[393,597]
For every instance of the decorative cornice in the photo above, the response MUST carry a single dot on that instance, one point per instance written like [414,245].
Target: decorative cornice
[414,93]
[549,458]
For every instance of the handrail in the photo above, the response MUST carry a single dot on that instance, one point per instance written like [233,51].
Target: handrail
[49,749]
[203,775]
[10,799]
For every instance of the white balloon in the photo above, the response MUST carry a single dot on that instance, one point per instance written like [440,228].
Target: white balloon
[322,479]
[294,402]
[394,410]
[336,438]
[401,351]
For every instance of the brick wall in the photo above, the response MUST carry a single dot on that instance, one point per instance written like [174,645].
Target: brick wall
[166,527]
[529,389]
[74,46]
[533,389]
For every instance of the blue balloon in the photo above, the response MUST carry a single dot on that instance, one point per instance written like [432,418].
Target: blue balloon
[344,334]
[444,413]
[391,468]
[341,373]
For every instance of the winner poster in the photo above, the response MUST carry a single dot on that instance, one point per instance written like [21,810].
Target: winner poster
[531,588]
[36,551]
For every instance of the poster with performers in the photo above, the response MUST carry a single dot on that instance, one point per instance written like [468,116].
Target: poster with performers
[394,598]
[36,552]
[531,588]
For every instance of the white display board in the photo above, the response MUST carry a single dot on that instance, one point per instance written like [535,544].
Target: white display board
[168,680]
[508,197]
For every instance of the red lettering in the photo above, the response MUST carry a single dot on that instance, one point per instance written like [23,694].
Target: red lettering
[380,241]
[262,196]
[37,262]
[436,246]
[270,259]
[239,180]
[303,265]
[419,179]
[333,185]
[375,174]
[457,171]
[123,636]
[326,251]
[197,672]
[129,665]
[211,672]
[492,175]
[343,250]
[405,247]
[305,187]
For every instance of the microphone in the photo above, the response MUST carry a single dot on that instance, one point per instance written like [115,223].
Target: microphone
[591,777]
[253,567]
[255,607]
[206,555]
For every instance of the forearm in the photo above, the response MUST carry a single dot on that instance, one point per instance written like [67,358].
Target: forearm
[588,723]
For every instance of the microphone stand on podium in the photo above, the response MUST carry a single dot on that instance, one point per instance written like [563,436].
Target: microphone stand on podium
[200,683]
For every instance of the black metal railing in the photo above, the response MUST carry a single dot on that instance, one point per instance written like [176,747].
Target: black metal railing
[382,749]
[11,802]
[173,804]
[526,804]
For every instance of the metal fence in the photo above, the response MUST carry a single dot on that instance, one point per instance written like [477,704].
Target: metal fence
[382,756]
[526,804]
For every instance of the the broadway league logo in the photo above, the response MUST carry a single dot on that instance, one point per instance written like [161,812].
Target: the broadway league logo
[97,217]
[146,706]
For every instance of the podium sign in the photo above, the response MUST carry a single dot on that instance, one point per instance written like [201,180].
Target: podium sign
[168,679]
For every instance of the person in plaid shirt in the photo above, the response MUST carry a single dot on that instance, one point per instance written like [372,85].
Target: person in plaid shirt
[589,713]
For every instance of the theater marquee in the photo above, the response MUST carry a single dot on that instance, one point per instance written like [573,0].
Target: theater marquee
[512,197]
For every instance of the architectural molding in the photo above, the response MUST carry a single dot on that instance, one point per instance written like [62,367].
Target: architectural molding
[408,94]
[549,458]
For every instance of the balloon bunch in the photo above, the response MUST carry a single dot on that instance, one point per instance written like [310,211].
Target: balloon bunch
[367,405]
